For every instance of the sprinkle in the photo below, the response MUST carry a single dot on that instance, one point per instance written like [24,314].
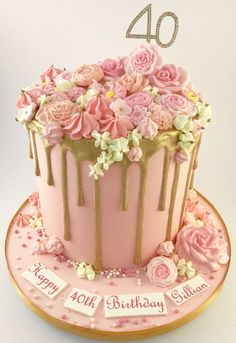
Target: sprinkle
[24,245]
[64,317]
[16,231]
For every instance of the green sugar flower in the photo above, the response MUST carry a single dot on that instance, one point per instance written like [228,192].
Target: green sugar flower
[183,123]
[185,269]
[101,140]
[134,137]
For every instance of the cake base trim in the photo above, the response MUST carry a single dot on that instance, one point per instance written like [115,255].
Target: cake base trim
[147,328]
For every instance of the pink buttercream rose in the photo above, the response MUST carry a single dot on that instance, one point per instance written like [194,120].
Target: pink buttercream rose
[56,111]
[54,246]
[169,79]
[75,93]
[147,128]
[81,125]
[22,219]
[112,67]
[165,248]
[117,125]
[50,74]
[52,133]
[162,118]
[140,99]
[135,154]
[162,271]
[176,104]
[143,59]
[98,107]
[134,83]
[203,246]
[87,73]
[34,199]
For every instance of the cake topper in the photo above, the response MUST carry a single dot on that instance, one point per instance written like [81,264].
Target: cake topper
[148,36]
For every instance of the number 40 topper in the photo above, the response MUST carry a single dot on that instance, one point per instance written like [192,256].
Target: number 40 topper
[148,36]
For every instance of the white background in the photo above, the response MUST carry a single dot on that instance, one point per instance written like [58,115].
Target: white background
[33,34]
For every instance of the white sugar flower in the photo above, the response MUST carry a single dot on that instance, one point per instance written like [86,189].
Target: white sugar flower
[120,107]
[102,140]
[134,137]
[185,268]
[35,222]
[96,171]
[26,114]
[118,147]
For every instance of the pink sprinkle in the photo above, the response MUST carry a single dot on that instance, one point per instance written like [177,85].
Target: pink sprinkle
[64,317]
[176,310]
[18,258]
[111,283]
[24,245]
[144,320]
[211,277]
[29,237]
[16,231]
[18,268]
[55,267]
[30,289]
[19,237]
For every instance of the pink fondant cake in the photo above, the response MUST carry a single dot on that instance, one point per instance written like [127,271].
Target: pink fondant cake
[115,146]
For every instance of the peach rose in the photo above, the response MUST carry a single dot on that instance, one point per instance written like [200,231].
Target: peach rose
[162,271]
[134,83]
[57,111]
[143,60]
[87,73]
[203,246]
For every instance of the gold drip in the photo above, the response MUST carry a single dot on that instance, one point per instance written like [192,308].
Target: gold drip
[140,211]
[195,164]
[48,150]
[162,202]
[98,234]
[80,192]
[172,201]
[30,145]
[124,184]
[64,185]
[36,160]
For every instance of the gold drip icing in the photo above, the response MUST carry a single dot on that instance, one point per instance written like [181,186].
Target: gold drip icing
[36,159]
[80,191]
[124,184]
[162,201]
[30,145]
[98,233]
[64,187]
[48,150]
[140,211]
[195,164]
[172,201]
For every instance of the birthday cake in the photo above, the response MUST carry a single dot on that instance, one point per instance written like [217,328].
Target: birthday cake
[115,146]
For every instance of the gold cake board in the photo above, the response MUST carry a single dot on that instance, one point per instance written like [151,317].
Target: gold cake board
[124,335]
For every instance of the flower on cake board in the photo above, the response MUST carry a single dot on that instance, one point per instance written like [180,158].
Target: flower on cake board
[161,271]
[85,271]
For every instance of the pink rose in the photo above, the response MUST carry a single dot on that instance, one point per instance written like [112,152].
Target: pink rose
[203,246]
[134,83]
[140,99]
[34,199]
[50,74]
[52,133]
[176,104]
[162,118]
[112,67]
[165,248]
[135,154]
[81,125]
[98,107]
[86,74]
[74,93]
[169,79]
[143,60]
[117,125]
[147,128]
[56,111]
[162,271]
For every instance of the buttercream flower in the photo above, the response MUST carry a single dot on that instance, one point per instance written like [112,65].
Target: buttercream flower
[39,247]
[24,100]
[165,248]
[112,67]
[56,111]
[101,140]
[134,137]
[116,91]
[169,79]
[80,125]
[98,107]
[35,222]
[27,113]
[181,156]
[54,246]
[185,268]
[118,147]
[183,123]
[176,104]
[116,125]
[140,99]
[87,73]
[50,74]
[52,133]
[96,171]
[204,114]
[134,83]
[49,89]
[57,96]
[135,154]
[83,99]
[162,271]
[147,128]
[162,118]
[138,114]
[143,59]
[34,199]
[203,246]
[22,219]
[75,93]
[120,107]
[186,140]
[29,95]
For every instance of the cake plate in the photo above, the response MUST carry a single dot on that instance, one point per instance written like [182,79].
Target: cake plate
[19,257]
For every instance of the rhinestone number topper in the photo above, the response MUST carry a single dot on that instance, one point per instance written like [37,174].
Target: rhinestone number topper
[148,36]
